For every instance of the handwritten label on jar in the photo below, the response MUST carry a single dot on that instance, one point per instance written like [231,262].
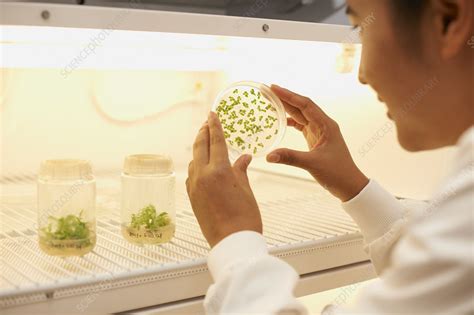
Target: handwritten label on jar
[145,234]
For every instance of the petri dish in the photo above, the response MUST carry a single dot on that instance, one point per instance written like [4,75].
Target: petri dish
[253,118]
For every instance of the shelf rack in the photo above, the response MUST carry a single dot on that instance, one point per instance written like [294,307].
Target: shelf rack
[303,225]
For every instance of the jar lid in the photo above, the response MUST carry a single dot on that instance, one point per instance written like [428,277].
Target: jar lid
[148,164]
[66,169]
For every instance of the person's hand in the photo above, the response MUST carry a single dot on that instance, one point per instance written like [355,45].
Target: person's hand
[220,193]
[328,159]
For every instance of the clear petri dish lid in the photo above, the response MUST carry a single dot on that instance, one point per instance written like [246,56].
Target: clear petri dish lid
[253,119]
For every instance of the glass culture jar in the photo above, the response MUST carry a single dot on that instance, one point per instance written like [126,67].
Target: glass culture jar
[148,199]
[66,207]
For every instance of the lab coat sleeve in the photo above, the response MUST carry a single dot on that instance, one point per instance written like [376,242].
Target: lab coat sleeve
[432,266]
[381,219]
[247,280]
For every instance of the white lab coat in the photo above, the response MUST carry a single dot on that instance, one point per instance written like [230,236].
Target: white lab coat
[425,259]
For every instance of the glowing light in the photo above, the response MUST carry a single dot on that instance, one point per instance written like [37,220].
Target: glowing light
[71,49]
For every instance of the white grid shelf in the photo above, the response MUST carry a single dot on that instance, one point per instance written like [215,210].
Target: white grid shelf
[297,217]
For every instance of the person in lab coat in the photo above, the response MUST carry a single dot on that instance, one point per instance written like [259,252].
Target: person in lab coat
[422,48]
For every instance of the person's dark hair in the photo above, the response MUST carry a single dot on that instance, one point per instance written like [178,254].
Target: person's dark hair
[408,10]
[407,15]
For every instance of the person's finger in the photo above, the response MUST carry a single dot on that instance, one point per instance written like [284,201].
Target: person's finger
[201,146]
[295,113]
[308,108]
[190,168]
[292,123]
[241,166]
[218,147]
[289,157]
[243,163]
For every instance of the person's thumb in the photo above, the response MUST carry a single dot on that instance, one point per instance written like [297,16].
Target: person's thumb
[289,157]
[243,163]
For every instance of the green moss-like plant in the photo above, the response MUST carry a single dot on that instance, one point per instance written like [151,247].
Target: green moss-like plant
[150,219]
[70,227]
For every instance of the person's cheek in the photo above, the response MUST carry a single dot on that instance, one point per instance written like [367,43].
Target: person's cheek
[380,70]
[368,63]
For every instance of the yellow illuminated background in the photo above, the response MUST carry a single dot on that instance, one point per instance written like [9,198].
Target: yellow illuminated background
[142,92]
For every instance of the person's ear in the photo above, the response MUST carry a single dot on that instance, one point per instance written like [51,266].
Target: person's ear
[454,22]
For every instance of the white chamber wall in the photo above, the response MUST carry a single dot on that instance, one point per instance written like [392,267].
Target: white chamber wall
[47,117]
[151,96]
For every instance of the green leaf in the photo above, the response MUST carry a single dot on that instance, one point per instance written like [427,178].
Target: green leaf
[70,227]
[150,219]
